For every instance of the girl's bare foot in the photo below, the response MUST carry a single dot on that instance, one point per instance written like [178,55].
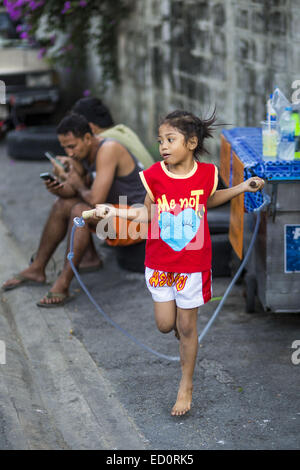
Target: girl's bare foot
[183,402]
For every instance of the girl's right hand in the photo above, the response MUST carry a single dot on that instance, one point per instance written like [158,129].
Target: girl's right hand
[104,211]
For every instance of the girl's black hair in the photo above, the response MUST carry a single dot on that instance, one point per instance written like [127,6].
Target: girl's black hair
[190,125]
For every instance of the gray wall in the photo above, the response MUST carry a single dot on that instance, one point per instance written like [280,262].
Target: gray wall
[195,54]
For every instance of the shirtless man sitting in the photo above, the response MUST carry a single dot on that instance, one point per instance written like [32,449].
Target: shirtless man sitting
[100,170]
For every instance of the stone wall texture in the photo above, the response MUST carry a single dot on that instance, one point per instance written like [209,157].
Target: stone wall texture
[197,54]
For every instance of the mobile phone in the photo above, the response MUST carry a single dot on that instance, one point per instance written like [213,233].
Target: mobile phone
[48,177]
[51,157]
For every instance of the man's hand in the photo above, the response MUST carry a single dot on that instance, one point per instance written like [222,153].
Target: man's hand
[59,171]
[68,162]
[63,190]
[75,179]
[253,184]
[54,187]
[65,161]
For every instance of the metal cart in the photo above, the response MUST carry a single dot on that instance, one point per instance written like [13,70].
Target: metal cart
[273,271]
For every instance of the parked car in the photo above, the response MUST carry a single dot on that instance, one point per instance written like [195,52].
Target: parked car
[31,84]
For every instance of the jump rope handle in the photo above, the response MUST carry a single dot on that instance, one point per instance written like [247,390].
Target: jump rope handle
[88,214]
[91,213]
[266,198]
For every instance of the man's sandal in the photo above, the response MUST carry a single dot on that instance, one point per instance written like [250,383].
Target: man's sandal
[23,281]
[64,299]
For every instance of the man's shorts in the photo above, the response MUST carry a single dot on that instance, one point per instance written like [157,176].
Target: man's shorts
[121,232]
[189,290]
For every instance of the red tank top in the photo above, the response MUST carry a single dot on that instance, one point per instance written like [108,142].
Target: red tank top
[178,236]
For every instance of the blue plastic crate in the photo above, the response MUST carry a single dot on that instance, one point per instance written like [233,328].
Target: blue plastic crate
[296,169]
[247,144]
[257,170]
[275,166]
[237,132]
[253,201]
[255,143]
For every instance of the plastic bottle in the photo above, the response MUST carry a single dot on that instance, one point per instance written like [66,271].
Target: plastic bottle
[296,117]
[279,102]
[286,147]
[271,113]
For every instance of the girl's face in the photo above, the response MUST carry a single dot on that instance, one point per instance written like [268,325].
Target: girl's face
[172,145]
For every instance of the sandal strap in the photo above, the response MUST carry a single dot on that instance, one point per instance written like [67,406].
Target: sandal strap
[57,295]
[20,277]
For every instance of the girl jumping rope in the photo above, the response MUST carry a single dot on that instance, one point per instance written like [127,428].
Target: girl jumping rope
[180,189]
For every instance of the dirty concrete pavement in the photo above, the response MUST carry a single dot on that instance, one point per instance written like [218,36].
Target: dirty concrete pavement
[72,381]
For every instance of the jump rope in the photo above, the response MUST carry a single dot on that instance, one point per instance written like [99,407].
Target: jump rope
[79,222]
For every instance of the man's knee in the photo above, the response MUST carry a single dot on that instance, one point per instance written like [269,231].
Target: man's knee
[78,208]
[63,205]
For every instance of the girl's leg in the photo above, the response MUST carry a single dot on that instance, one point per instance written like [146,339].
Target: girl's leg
[165,315]
[187,328]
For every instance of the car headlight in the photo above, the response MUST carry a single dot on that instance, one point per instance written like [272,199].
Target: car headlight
[39,79]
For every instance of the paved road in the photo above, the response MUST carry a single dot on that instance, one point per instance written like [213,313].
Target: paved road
[95,389]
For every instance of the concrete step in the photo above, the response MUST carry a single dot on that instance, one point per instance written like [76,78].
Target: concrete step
[56,375]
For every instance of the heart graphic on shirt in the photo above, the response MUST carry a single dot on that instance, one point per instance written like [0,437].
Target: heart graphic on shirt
[178,230]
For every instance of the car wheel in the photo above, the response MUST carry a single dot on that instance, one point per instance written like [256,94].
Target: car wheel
[132,257]
[221,255]
[31,143]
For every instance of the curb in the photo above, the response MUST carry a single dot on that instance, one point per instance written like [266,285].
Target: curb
[79,403]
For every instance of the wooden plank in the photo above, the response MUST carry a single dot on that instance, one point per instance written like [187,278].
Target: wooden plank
[225,152]
[236,228]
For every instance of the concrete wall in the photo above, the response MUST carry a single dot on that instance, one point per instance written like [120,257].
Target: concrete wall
[195,54]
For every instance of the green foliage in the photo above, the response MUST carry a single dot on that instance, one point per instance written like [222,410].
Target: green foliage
[82,23]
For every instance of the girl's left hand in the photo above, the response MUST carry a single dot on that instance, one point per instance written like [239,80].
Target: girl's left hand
[253,184]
